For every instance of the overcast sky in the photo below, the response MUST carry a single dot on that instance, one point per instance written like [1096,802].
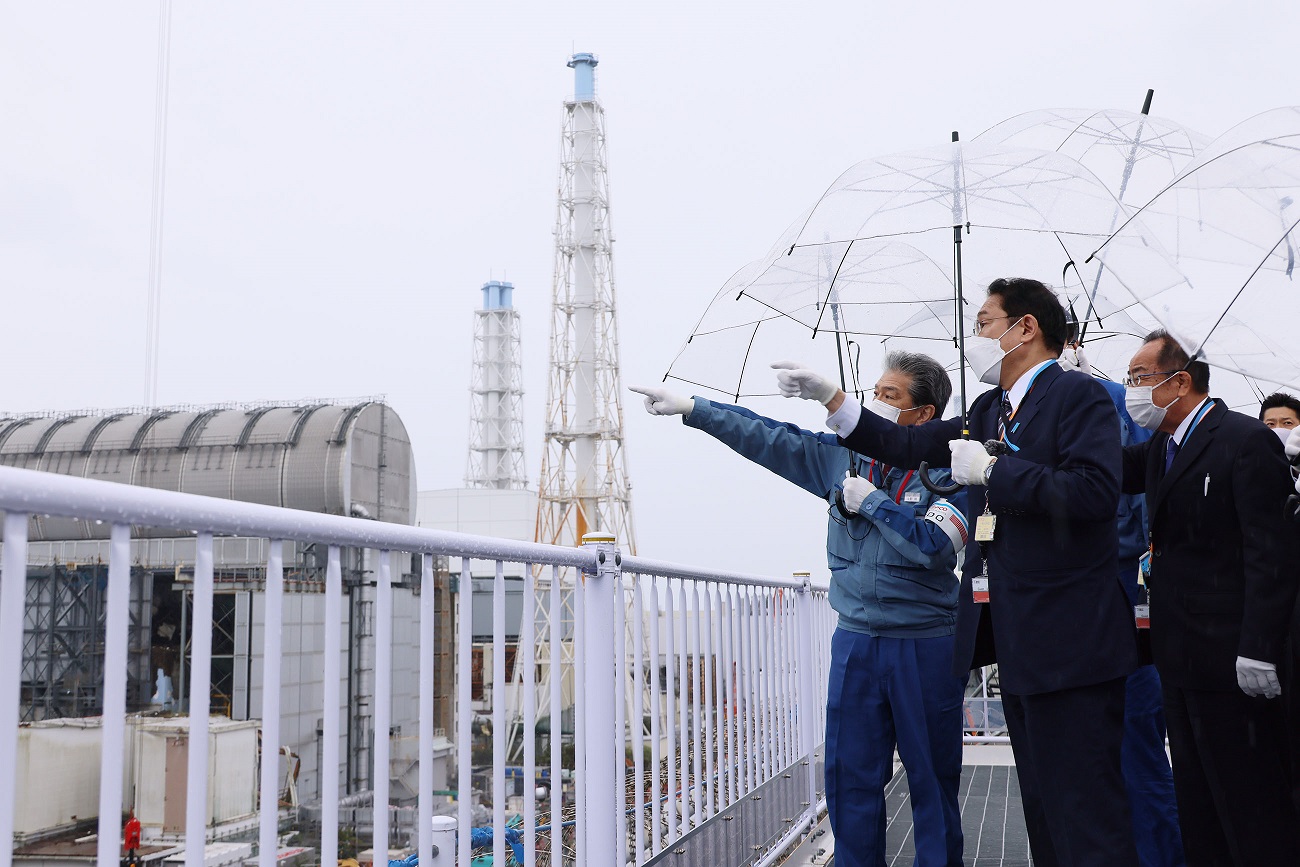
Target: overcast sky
[341,179]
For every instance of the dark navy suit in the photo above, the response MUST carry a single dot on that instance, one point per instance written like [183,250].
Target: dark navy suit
[1147,775]
[1058,623]
[1223,585]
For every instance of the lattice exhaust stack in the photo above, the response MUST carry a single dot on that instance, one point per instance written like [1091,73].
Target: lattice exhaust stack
[496,426]
[584,483]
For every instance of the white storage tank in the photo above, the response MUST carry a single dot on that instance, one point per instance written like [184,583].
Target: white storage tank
[161,769]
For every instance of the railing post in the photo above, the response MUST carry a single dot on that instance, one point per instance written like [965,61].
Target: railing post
[808,695]
[602,742]
[13,599]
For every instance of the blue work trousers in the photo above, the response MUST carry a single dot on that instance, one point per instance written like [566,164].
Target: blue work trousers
[887,692]
[1147,776]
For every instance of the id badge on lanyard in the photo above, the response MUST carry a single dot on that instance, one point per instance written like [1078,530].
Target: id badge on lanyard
[1142,610]
[985,527]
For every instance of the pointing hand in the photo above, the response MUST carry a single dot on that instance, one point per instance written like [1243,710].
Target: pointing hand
[661,401]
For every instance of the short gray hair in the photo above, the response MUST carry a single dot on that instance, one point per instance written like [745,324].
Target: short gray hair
[930,383]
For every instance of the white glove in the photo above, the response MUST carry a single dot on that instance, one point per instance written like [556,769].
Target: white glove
[661,401]
[797,381]
[969,460]
[1257,678]
[1072,358]
[1292,448]
[856,490]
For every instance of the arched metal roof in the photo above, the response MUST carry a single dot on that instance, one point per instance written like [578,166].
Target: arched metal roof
[334,458]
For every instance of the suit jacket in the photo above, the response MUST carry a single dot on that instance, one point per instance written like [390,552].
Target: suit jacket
[1058,616]
[1223,560]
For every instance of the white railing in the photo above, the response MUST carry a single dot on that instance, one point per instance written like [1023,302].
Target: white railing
[741,699]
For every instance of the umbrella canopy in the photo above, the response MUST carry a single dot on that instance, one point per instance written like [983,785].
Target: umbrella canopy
[1213,257]
[878,258]
[1134,154]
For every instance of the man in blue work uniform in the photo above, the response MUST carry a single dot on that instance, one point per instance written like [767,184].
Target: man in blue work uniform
[1040,595]
[1148,779]
[891,546]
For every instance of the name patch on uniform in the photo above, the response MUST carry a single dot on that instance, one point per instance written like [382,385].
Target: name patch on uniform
[942,514]
[912,497]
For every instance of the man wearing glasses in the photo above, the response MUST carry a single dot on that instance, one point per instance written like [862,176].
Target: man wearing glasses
[892,547]
[1040,595]
[1222,588]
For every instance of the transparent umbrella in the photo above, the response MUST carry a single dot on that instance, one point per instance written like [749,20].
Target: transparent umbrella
[1212,258]
[1133,154]
[887,249]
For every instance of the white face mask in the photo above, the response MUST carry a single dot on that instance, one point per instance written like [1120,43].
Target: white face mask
[1138,402]
[984,355]
[1283,433]
[887,411]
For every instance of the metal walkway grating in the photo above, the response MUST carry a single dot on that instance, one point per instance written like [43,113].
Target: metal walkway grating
[991,818]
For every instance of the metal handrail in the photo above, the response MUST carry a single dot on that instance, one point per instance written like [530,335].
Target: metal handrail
[41,493]
[772,645]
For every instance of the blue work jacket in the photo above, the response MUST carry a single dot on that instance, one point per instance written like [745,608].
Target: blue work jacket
[892,568]
[1132,523]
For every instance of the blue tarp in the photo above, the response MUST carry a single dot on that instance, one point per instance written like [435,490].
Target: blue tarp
[479,838]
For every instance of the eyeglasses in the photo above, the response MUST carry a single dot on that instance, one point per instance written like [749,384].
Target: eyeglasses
[981,324]
[1133,380]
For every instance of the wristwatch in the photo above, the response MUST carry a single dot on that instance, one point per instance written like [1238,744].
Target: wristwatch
[988,470]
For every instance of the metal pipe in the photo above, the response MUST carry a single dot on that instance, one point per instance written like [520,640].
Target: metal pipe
[747,691]
[556,739]
[683,707]
[676,570]
[464,726]
[117,626]
[528,675]
[808,698]
[424,798]
[697,728]
[785,659]
[269,802]
[670,703]
[598,663]
[383,711]
[620,717]
[579,719]
[91,499]
[638,718]
[656,757]
[13,594]
[725,611]
[499,714]
[196,781]
[329,769]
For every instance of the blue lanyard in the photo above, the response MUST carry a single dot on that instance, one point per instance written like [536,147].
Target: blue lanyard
[1006,436]
[1205,410]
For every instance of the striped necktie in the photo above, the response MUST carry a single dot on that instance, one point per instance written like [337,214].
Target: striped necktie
[1004,416]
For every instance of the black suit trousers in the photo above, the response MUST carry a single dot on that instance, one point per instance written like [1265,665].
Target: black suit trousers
[1067,749]
[1230,778]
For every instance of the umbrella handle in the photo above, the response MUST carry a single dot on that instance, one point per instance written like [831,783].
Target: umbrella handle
[839,504]
[932,486]
[1291,511]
